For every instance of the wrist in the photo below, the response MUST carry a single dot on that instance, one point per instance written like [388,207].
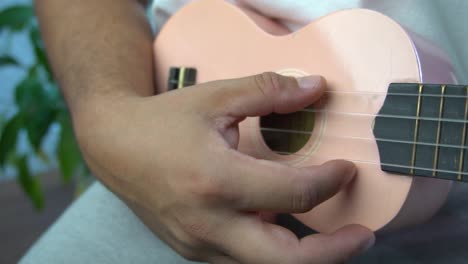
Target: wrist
[91,114]
[93,95]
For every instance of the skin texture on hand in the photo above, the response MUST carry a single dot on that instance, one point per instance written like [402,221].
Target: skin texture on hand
[172,157]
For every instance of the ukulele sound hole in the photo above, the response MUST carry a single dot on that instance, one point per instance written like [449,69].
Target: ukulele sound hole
[287,133]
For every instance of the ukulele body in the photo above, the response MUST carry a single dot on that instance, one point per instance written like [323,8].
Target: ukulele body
[359,52]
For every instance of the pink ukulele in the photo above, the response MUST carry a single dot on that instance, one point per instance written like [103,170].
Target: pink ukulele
[376,111]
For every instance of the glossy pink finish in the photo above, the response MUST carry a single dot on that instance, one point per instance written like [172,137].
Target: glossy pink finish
[359,52]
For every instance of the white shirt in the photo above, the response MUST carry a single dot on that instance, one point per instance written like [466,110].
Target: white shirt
[445,22]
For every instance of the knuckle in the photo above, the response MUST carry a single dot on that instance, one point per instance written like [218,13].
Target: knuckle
[189,240]
[198,239]
[211,191]
[188,247]
[217,190]
[305,195]
[188,232]
[268,83]
[197,234]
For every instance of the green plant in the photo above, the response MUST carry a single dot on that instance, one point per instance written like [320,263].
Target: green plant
[39,106]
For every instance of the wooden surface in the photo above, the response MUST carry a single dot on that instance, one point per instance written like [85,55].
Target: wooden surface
[20,223]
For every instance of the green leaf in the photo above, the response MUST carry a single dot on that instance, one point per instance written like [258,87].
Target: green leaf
[16,18]
[8,137]
[35,106]
[3,121]
[68,153]
[29,184]
[29,92]
[42,156]
[56,98]
[8,61]
[37,124]
[39,51]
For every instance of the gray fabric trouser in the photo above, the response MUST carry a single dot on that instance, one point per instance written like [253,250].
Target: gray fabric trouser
[99,228]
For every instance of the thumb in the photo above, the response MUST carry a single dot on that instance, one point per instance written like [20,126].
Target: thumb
[270,92]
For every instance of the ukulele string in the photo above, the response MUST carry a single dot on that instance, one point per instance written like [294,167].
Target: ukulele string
[357,161]
[448,120]
[370,140]
[385,94]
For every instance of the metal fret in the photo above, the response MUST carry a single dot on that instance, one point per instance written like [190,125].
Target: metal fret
[436,152]
[180,77]
[416,129]
[181,80]
[462,149]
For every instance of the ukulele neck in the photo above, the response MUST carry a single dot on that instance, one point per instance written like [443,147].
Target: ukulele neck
[421,130]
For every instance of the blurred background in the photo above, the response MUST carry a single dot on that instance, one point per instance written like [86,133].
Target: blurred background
[41,170]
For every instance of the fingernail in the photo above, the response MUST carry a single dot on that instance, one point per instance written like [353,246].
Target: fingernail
[309,82]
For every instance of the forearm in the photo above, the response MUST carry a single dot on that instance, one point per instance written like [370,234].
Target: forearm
[97,49]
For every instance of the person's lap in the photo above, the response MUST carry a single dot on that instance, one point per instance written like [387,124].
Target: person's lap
[99,228]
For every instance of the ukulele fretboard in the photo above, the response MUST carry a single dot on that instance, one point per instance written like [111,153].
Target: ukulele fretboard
[421,130]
